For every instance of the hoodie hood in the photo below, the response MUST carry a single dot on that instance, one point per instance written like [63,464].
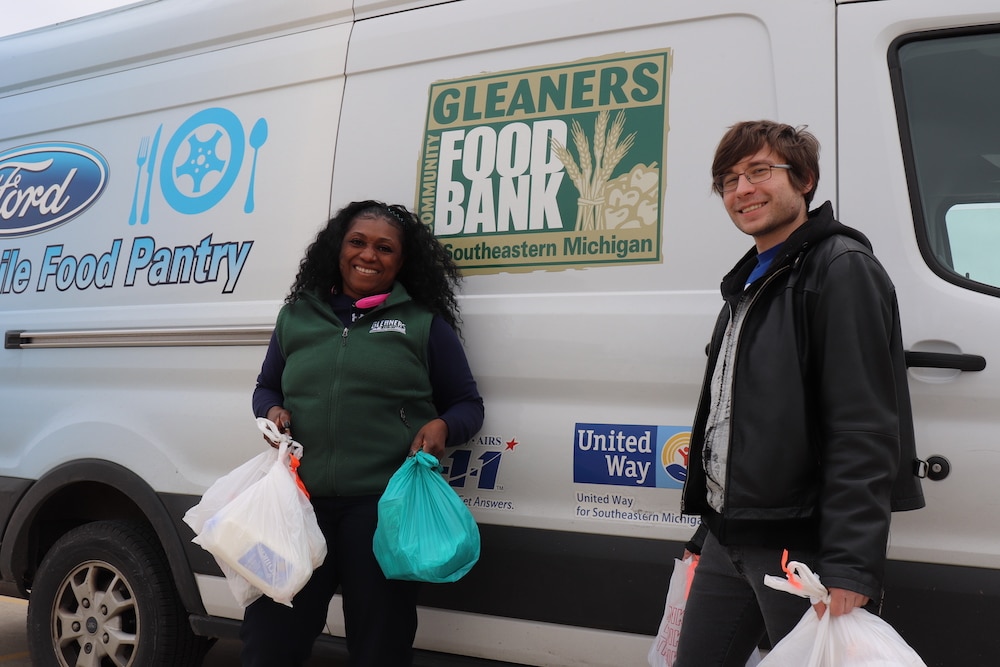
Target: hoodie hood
[818,226]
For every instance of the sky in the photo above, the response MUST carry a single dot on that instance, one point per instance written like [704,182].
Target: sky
[20,15]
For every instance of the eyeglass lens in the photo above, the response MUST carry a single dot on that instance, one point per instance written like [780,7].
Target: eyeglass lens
[756,174]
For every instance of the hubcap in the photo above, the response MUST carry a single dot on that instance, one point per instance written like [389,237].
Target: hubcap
[95,622]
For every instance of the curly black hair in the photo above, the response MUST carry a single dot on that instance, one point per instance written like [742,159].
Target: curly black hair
[428,273]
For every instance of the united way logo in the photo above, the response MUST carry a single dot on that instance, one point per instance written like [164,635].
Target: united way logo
[675,448]
[631,455]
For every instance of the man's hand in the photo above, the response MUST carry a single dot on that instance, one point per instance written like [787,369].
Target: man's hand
[841,602]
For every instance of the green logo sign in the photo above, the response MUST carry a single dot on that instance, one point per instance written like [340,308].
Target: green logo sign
[548,168]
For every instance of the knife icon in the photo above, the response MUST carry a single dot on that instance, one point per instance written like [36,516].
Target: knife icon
[150,167]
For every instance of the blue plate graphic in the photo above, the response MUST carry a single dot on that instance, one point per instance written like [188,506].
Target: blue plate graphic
[201,160]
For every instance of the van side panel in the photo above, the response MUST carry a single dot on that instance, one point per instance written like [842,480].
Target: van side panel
[221,266]
[137,324]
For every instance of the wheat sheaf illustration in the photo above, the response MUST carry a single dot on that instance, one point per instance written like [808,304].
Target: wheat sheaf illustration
[591,175]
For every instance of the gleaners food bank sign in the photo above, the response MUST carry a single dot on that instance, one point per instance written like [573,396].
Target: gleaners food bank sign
[548,168]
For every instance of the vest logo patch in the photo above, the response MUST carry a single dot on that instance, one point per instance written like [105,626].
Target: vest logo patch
[388,325]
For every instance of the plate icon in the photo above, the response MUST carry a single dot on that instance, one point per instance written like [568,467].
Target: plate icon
[202,160]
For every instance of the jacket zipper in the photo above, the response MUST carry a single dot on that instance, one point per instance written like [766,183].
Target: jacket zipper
[736,355]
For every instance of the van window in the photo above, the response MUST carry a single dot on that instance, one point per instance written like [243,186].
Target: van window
[948,88]
[973,232]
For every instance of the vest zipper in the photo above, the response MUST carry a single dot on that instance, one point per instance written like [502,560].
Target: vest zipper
[334,464]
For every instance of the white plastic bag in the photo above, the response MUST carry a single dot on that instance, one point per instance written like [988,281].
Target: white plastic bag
[857,639]
[227,487]
[220,494]
[663,652]
[266,538]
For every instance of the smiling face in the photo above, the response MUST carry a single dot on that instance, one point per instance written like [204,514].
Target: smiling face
[768,211]
[370,257]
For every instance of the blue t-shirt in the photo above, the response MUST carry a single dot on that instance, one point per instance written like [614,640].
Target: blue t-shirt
[764,260]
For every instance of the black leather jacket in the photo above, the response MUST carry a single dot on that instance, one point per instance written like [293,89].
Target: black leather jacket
[821,436]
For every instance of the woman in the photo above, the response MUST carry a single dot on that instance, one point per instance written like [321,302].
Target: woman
[365,367]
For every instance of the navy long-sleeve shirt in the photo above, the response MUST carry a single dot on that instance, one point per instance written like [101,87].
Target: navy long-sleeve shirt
[456,396]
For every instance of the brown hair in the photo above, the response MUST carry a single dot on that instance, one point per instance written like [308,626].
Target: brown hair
[795,146]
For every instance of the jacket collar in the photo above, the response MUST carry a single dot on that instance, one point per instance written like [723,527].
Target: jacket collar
[820,225]
[321,302]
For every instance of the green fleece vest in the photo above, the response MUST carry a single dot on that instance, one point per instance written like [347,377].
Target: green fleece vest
[357,395]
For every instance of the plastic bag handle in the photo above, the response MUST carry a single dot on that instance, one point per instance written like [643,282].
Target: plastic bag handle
[800,580]
[694,559]
[270,429]
[426,460]
[285,445]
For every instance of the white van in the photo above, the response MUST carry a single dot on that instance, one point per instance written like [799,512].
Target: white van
[163,167]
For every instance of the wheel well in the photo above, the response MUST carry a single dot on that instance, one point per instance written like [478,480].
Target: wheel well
[72,506]
[76,493]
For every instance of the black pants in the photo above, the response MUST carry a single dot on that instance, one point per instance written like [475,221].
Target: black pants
[729,609]
[380,616]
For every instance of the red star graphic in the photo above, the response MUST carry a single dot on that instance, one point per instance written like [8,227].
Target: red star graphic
[512,443]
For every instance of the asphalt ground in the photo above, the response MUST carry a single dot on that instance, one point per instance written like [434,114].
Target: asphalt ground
[14,642]
[225,652]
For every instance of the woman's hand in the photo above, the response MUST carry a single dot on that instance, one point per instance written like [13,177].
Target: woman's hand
[431,438]
[282,418]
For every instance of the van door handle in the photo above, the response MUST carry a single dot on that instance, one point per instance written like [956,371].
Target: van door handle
[959,362]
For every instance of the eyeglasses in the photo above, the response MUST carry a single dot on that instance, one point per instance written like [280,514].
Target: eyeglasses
[755,174]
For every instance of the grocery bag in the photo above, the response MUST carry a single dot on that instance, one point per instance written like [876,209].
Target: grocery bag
[227,487]
[857,639]
[265,538]
[220,494]
[663,652]
[425,532]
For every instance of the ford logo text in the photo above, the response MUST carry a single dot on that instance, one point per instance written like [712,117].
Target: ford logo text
[46,185]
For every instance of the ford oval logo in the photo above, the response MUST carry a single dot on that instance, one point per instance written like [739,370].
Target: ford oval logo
[46,185]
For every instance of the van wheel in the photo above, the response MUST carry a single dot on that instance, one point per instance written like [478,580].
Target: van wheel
[103,596]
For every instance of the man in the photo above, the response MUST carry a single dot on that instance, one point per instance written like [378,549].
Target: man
[803,438]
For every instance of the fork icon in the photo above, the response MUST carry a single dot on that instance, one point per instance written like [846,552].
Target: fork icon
[140,160]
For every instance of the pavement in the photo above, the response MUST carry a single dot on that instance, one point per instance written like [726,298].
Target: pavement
[225,652]
[14,642]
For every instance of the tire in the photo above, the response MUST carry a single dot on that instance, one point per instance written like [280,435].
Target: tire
[103,596]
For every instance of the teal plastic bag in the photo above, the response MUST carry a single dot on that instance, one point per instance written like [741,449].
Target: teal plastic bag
[425,532]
